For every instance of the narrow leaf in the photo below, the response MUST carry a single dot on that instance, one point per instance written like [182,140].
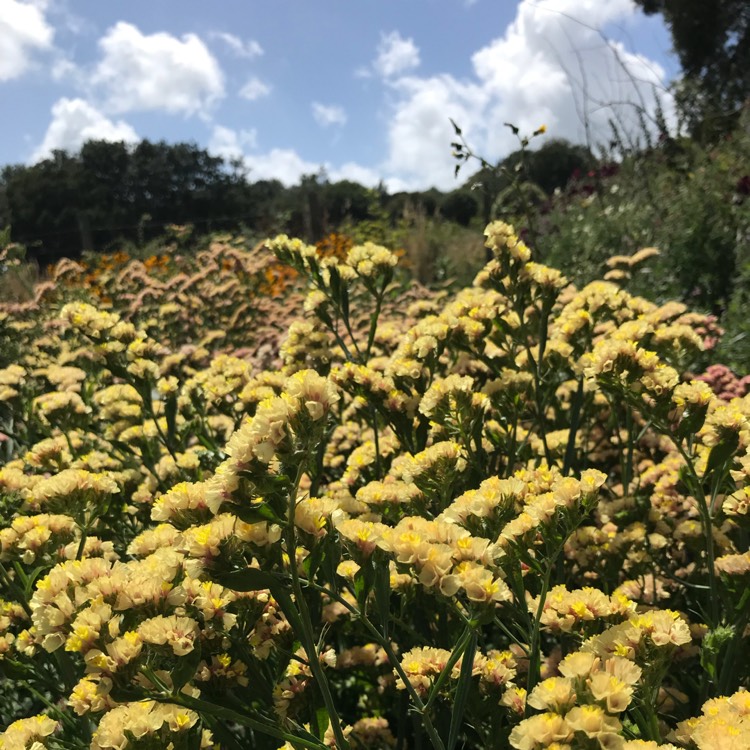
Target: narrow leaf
[383,594]
[448,668]
[186,667]
[462,691]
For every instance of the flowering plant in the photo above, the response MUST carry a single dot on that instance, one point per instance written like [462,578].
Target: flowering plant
[500,518]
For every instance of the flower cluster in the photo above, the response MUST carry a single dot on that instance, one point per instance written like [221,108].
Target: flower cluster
[281,496]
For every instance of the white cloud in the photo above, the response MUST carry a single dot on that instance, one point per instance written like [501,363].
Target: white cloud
[63,68]
[254,89]
[328,114]
[75,121]
[547,68]
[356,173]
[420,132]
[140,72]
[231,144]
[248,49]
[282,164]
[23,32]
[395,55]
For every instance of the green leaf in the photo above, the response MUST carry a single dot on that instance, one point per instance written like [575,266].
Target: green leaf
[383,593]
[186,668]
[363,581]
[194,738]
[31,578]
[170,411]
[345,301]
[331,561]
[126,693]
[314,559]
[320,722]
[252,579]
[455,127]
[448,668]
[721,452]
[12,671]
[713,644]
[301,738]
[257,512]
[334,281]
[249,579]
[462,691]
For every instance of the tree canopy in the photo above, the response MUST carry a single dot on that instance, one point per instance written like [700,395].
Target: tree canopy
[109,193]
[712,40]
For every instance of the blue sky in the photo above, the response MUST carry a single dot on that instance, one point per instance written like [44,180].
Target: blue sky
[363,88]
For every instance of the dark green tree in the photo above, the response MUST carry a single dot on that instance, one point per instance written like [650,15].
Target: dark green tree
[712,40]
[345,200]
[460,206]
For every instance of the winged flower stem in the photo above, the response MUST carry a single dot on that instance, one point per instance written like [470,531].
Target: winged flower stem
[307,636]
[374,320]
[707,522]
[535,653]
[229,714]
[393,660]
[534,647]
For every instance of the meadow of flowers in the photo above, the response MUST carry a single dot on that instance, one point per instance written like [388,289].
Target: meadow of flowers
[283,497]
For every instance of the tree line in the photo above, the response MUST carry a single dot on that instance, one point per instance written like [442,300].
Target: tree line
[108,194]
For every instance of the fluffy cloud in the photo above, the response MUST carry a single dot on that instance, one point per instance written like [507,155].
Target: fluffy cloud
[231,144]
[254,89]
[288,166]
[357,173]
[282,164]
[395,55]
[285,164]
[419,132]
[248,49]
[328,114]
[23,31]
[140,72]
[75,121]
[547,68]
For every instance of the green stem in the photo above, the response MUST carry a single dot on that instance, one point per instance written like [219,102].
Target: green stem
[448,668]
[348,327]
[374,322]
[707,522]
[628,468]
[53,709]
[392,660]
[575,416]
[82,543]
[15,588]
[730,662]
[376,440]
[167,443]
[537,365]
[535,655]
[227,713]
[307,636]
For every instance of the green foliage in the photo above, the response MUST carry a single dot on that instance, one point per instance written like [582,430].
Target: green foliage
[684,202]
[712,40]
